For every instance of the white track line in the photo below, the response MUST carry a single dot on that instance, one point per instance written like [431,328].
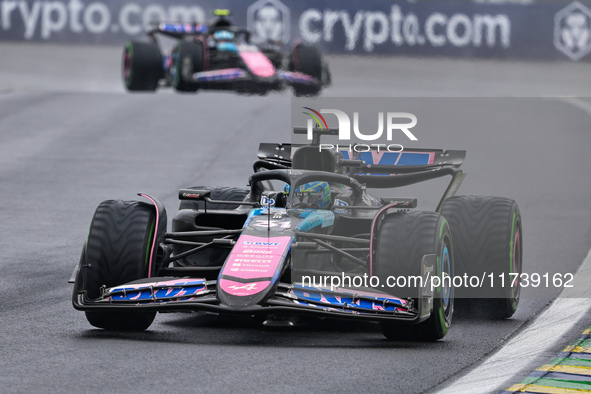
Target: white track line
[577,102]
[546,330]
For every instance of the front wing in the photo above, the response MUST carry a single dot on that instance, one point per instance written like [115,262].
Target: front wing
[230,75]
[167,294]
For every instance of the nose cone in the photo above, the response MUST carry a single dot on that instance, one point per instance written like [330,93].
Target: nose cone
[258,64]
[252,269]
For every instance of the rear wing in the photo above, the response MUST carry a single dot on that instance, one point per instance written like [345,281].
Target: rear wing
[381,161]
[374,161]
[374,168]
[179,30]
[176,29]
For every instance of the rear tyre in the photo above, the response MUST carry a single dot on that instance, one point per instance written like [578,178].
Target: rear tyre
[187,58]
[403,239]
[306,58]
[118,251]
[142,66]
[488,239]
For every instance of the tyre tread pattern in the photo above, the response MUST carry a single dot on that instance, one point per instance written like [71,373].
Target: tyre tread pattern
[481,227]
[116,253]
[417,242]
[146,66]
[307,59]
[194,51]
[404,238]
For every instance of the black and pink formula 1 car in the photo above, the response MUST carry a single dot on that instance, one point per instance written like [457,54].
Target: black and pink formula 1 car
[221,56]
[305,239]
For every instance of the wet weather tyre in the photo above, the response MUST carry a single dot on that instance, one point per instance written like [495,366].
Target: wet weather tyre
[142,66]
[217,193]
[488,240]
[307,59]
[117,251]
[187,58]
[404,237]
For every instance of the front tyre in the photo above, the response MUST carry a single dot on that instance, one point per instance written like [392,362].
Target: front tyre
[307,59]
[403,239]
[488,240]
[118,250]
[142,66]
[188,57]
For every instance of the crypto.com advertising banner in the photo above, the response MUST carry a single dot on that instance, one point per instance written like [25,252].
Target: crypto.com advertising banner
[498,29]
[431,195]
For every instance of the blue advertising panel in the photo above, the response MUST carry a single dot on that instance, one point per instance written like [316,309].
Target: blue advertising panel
[502,29]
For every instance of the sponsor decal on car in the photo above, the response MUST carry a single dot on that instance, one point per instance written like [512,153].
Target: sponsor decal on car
[252,264]
[267,201]
[262,243]
[370,301]
[167,290]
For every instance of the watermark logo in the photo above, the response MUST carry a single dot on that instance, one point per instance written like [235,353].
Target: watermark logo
[392,120]
[268,20]
[572,30]
[317,117]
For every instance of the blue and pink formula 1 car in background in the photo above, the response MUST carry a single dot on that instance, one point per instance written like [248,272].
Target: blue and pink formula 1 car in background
[221,56]
[267,250]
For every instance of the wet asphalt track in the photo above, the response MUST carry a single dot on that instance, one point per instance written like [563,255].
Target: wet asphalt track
[70,138]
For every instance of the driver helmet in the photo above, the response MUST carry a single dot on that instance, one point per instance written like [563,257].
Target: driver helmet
[223,35]
[312,195]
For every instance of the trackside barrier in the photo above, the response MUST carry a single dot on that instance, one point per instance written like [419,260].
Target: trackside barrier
[504,29]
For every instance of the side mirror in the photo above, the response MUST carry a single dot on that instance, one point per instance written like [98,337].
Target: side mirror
[190,194]
[400,202]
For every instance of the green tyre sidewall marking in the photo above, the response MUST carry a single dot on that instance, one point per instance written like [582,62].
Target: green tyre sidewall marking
[176,63]
[512,269]
[129,49]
